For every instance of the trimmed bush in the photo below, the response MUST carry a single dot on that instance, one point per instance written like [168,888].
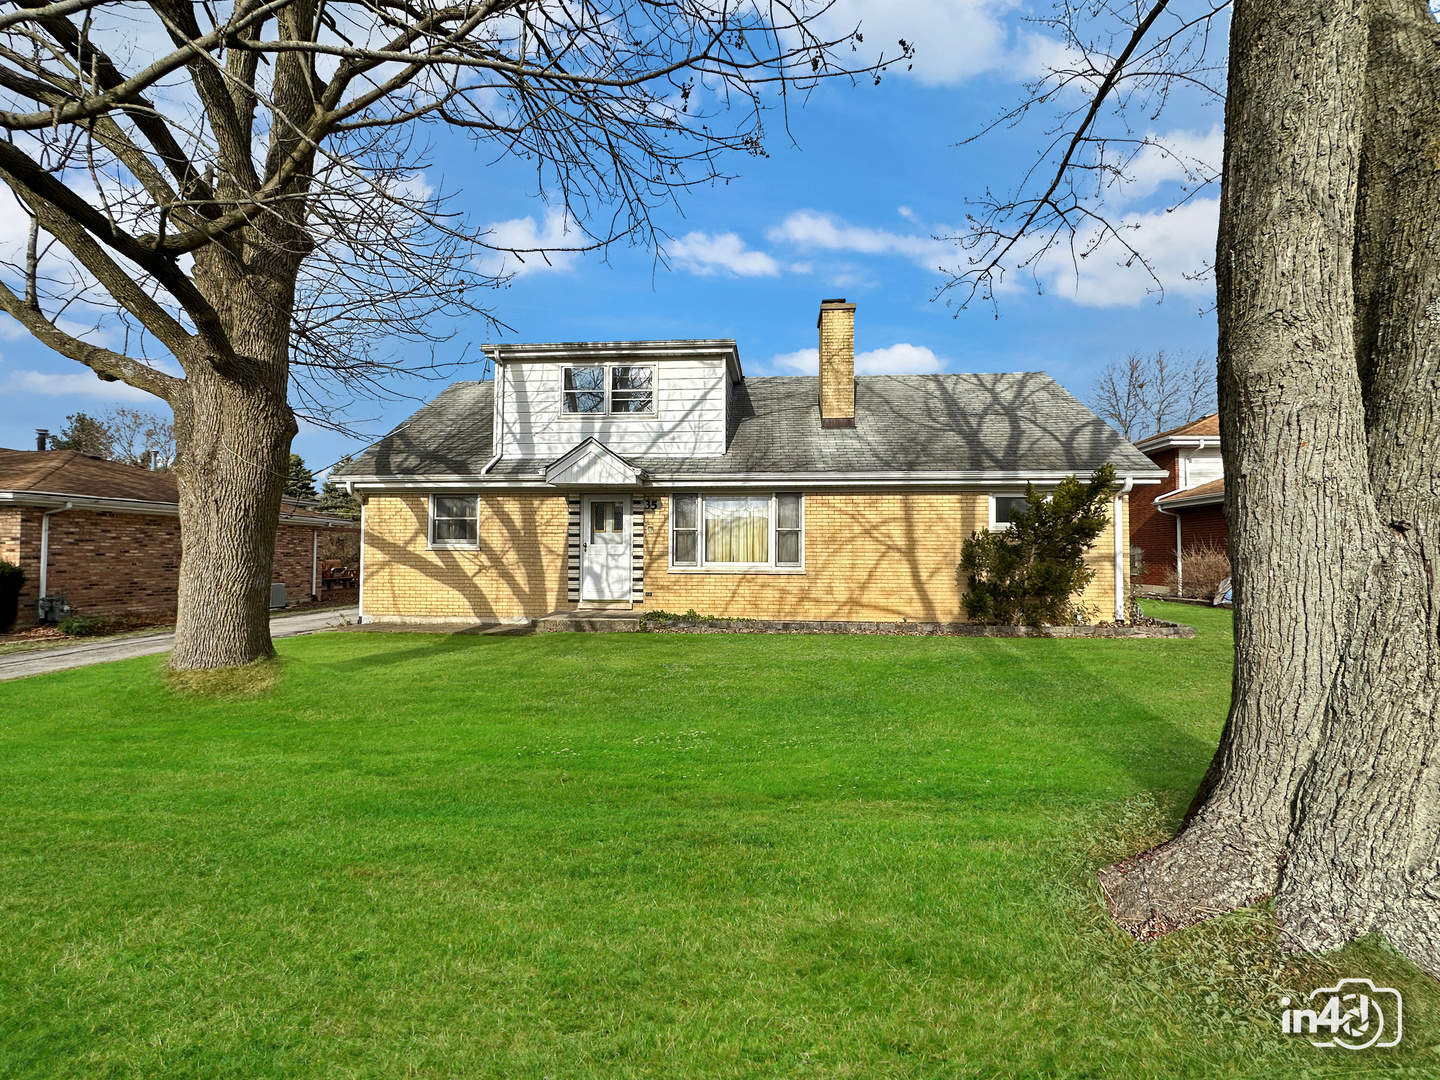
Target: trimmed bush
[1028,573]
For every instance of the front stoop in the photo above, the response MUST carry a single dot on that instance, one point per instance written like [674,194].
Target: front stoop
[595,620]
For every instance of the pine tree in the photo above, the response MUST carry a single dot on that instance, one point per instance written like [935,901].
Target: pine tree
[1030,572]
[334,499]
[86,434]
[299,484]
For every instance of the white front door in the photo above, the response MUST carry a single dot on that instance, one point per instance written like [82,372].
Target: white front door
[605,555]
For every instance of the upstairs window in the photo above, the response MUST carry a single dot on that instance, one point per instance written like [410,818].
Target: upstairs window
[631,389]
[609,389]
[585,389]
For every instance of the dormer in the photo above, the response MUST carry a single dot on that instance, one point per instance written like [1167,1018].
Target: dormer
[636,398]
[1191,452]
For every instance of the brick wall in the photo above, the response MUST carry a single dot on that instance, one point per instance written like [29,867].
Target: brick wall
[117,564]
[837,362]
[1201,526]
[1152,531]
[519,568]
[868,556]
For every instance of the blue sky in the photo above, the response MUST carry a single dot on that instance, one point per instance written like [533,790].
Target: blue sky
[848,210]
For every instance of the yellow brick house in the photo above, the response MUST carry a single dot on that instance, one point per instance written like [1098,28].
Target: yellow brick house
[655,475]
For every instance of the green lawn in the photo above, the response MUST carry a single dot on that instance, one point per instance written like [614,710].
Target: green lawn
[619,855]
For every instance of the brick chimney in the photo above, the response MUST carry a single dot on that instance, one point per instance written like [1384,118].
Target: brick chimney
[837,364]
[42,436]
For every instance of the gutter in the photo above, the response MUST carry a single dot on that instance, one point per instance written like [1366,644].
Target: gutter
[62,501]
[45,551]
[1120,550]
[718,481]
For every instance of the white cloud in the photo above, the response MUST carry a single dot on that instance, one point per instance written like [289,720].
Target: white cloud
[1180,157]
[902,359]
[540,249]
[1178,244]
[701,253]
[810,230]
[74,385]
[953,39]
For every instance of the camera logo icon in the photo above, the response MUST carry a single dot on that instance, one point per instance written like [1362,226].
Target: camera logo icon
[1354,1014]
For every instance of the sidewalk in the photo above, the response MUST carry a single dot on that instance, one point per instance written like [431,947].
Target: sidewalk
[42,661]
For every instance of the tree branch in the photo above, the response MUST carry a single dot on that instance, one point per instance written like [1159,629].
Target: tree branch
[110,366]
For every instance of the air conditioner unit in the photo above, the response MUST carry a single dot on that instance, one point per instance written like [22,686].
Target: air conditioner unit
[277,595]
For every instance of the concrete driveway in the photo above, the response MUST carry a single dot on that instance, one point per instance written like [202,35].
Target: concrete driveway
[64,657]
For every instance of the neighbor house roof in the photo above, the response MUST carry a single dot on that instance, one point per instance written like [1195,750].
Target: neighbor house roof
[51,477]
[985,427]
[1201,495]
[1207,428]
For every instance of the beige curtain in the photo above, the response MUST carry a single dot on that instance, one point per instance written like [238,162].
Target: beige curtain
[737,529]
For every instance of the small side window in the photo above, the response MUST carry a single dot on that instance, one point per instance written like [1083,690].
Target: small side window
[454,521]
[1009,509]
[684,531]
[789,526]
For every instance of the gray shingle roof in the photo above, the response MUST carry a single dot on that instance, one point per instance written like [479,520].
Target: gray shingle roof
[1019,422]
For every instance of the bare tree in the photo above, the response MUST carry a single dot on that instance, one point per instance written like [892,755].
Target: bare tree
[1325,787]
[1144,395]
[241,182]
[141,438]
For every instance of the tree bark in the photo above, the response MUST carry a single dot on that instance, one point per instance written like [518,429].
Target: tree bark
[1325,791]
[233,434]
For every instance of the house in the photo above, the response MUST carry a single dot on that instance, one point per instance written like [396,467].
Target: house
[656,475]
[107,535]
[1186,511]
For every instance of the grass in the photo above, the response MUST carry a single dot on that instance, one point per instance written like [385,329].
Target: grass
[620,855]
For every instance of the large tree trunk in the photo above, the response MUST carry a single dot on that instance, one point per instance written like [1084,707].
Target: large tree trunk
[233,435]
[1325,791]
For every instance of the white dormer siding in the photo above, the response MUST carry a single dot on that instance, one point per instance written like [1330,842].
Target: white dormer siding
[1200,467]
[687,416]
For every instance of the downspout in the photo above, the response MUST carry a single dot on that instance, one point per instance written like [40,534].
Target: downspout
[45,551]
[360,578]
[1117,518]
[1179,561]
[497,420]
[314,564]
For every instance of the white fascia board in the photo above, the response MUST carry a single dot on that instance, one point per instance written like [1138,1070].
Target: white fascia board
[50,500]
[693,482]
[1211,499]
[1178,442]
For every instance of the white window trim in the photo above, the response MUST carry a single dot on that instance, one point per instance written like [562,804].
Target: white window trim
[608,412]
[736,568]
[1001,526]
[451,545]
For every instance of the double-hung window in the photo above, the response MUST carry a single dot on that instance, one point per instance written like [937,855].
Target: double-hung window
[737,532]
[454,521]
[609,389]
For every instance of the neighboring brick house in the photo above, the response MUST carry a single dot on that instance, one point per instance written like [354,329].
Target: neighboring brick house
[656,476]
[1187,510]
[107,535]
